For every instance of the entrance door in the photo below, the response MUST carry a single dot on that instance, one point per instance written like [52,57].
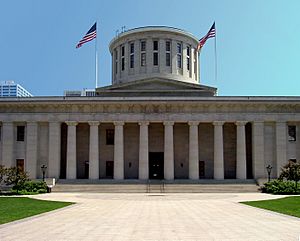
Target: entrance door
[109,169]
[156,165]
[20,164]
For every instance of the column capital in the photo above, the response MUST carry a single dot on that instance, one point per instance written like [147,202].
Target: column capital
[94,123]
[7,122]
[218,123]
[241,123]
[119,123]
[168,123]
[144,123]
[71,123]
[193,123]
[280,122]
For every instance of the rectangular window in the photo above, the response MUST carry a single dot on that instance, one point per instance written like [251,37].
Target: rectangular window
[131,56]
[155,59]
[168,46]
[155,45]
[168,59]
[132,48]
[168,53]
[110,137]
[123,58]
[20,133]
[188,52]
[131,61]
[143,53]
[116,61]
[179,54]
[143,46]
[143,59]
[292,133]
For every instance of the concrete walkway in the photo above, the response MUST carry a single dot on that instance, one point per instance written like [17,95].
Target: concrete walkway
[155,217]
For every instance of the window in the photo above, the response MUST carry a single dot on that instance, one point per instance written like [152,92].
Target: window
[143,53]
[155,52]
[132,55]
[123,58]
[188,53]
[179,54]
[110,137]
[292,133]
[116,61]
[20,133]
[168,53]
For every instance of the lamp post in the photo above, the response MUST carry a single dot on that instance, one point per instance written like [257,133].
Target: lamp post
[44,168]
[269,169]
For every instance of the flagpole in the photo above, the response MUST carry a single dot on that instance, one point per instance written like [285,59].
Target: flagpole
[216,65]
[96,62]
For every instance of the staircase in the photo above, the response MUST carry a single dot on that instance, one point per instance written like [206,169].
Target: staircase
[156,186]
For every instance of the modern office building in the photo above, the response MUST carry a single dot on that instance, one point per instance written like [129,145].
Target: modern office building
[156,121]
[11,89]
[84,92]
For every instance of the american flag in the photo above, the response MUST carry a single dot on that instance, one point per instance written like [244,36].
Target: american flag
[89,36]
[211,34]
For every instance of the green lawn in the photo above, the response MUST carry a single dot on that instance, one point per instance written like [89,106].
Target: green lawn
[14,208]
[287,205]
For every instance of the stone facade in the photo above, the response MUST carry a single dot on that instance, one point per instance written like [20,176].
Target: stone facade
[151,124]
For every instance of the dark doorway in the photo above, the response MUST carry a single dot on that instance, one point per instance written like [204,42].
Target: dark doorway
[156,165]
[86,169]
[201,169]
[20,165]
[109,169]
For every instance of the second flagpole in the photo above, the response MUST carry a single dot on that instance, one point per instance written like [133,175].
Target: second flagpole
[96,61]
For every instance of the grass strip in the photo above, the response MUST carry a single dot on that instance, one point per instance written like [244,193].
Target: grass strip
[15,208]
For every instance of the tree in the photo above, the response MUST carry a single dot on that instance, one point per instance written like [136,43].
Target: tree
[16,178]
[291,172]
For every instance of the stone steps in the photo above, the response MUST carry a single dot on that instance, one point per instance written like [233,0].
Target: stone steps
[156,188]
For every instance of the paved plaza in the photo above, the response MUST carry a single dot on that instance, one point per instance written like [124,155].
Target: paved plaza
[155,217]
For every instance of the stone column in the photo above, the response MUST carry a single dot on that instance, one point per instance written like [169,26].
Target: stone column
[94,150]
[241,161]
[174,56]
[218,150]
[71,150]
[281,160]
[258,149]
[119,151]
[31,149]
[54,150]
[169,151]
[144,152]
[193,151]
[8,140]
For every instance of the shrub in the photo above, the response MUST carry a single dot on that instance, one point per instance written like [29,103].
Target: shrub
[16,178]
[31,187]
[280,187]
[291,172]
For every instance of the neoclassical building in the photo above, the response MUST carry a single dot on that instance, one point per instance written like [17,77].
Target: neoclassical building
[156,121]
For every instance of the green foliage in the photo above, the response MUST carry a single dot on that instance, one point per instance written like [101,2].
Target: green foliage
[31,187]
[291,172]
[281,187]
[16,178]
[2,173]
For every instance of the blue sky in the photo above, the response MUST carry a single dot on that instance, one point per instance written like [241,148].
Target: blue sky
[258,45]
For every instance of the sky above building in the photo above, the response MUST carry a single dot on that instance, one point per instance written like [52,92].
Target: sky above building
[257,42]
